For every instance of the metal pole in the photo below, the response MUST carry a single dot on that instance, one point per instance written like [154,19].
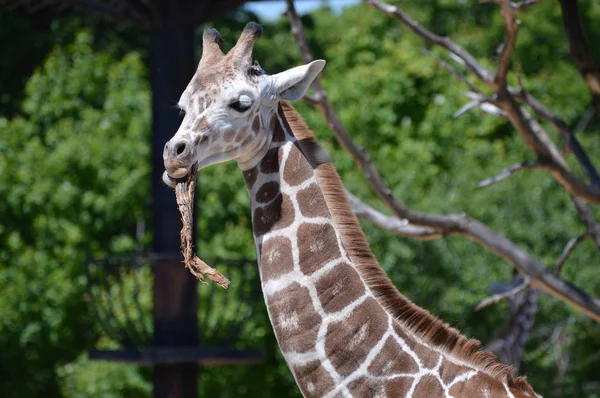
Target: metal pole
[175,289]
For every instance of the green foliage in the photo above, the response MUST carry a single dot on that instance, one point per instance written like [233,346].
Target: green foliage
[85,378]
[74,178]
[73,170]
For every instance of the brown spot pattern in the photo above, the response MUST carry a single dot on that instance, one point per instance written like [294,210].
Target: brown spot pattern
[267,192]
[250,177]
[313,379]
[276,258]
[399,386]
[429,386]
[311,202]
[392,360]
[429,358]
[297,170]
[339,287]
[400,332]
[270,163]
[294,318]
[275,127]
[480,383]
[314,154]
[256,125]
[450,371]
[229,135]
[458,390]
[317,245]
[276,215]
[348,342]
[201,125]
[365,387]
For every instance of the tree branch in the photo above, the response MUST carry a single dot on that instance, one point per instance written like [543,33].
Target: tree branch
[534,136]
[585,120]
[566,133]
[571,245]
[528,128]
[485,104]
[496,298]
[509,345]
[445,42]
[587,217]
[507,172]
[508,46]
[540,143]
[453,224]
[525,4]
[453,71]
[580,50]
[392,224]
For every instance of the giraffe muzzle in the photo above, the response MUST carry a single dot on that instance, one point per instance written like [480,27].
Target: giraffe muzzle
[178,158]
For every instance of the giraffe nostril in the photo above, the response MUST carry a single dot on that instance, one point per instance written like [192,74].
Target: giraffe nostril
[180,148]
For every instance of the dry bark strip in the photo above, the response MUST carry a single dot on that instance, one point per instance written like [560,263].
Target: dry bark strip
[184,192]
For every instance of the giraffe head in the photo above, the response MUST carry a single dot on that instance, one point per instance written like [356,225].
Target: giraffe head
[228,105]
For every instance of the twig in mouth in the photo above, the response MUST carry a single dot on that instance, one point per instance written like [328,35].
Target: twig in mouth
[184,192]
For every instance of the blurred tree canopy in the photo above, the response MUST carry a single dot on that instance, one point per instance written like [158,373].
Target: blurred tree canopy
[75,181]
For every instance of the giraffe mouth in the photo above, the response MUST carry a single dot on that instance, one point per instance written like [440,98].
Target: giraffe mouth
[179,172]
[180,175]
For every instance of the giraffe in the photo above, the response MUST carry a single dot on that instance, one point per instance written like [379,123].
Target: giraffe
[342,327]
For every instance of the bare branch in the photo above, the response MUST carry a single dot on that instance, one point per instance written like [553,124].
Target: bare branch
[486,104]
[298,32]
[587,217]
[528,128]
[310,100]
[453,71]
[571,245]
[516,7]
[453,224]
[508,46]
[533,134]
[467,107]
[540,143]
[580,50]
[392,224]
[445,42]
[509,345]
[507,172]
[525,4]
[566,133]
[585,120]
[496,298]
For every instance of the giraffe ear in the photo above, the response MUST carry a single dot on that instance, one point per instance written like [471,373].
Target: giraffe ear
[292,84]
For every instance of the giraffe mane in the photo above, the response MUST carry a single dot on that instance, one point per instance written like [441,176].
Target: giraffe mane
[422,324]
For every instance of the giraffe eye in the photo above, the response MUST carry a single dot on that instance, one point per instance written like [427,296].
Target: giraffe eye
[242,104]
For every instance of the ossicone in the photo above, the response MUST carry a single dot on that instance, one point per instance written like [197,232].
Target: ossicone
[211,40]
[242,51]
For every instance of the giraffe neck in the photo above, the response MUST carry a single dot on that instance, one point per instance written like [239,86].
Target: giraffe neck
[335,333]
